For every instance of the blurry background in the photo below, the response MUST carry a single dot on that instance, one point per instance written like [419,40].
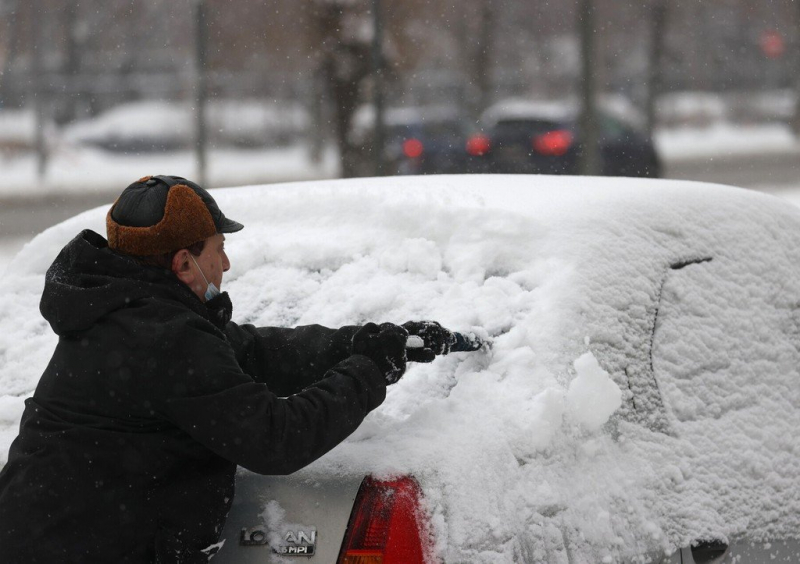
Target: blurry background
[96,93]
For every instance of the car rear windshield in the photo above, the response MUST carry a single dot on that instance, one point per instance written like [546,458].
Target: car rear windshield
[526,127]
[430,130]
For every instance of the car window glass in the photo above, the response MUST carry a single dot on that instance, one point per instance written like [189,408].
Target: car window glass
[435,130]
[613,129]
[715,337]
[524,127]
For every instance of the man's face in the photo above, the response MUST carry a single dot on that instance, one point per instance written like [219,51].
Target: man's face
[213,261]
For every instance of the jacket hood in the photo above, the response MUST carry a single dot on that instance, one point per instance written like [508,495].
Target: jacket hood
[88,280]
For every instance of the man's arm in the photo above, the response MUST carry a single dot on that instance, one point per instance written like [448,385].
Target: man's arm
[289,360]
[211,399]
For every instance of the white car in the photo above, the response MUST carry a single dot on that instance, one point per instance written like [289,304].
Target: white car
[639,401]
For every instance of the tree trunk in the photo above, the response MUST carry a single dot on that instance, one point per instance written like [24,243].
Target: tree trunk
[201,126]
[483,56]
[655,61]
[12,49]
[378,163]
[40,97]
[589,132]
[796,124]
[345,98]
[345,64]
[314,134]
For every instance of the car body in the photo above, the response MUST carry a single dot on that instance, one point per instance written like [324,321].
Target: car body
[520,137]
[638,403]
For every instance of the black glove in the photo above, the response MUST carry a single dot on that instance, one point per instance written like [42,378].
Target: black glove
[437,340]
[385,346]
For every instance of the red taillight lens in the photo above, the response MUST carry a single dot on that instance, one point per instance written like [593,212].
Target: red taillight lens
[553,143]
[413,148]
[478,145]
[388,525]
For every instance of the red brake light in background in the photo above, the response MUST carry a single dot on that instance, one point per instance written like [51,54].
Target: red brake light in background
[388,525]
[772,44]
[413,148]
[478,145]
[553,143]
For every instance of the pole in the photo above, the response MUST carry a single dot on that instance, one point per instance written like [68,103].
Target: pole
[654,64]
[796,123]
[590,154]
[12,48]
[482,73]
[200,90]
[378,78]
[39,99]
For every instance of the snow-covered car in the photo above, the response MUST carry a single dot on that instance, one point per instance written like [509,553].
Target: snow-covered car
[639,401]
[153,126]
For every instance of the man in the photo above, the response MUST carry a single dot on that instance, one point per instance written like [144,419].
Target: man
[128,448]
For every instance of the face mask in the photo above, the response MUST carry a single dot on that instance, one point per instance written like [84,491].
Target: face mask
[211,290]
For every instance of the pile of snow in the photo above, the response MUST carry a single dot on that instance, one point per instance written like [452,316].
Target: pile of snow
[725,139]
[692,108]
[18,130]
[150,120]
[68,169]
[159,122]
[642,390]
[699,109]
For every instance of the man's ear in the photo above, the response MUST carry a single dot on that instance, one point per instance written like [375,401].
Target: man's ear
[182,268]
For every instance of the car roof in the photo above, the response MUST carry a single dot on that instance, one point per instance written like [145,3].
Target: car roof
[565,110]
[515,109]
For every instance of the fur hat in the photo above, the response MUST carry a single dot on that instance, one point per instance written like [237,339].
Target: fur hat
[160,214]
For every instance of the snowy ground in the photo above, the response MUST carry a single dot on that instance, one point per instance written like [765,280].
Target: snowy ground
[723,139]
[80,170]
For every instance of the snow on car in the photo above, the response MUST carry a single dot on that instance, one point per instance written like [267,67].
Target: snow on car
[639,401]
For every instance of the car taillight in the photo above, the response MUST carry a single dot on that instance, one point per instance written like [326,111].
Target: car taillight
[553,143]
[413,148]
[478,145]
[388,525]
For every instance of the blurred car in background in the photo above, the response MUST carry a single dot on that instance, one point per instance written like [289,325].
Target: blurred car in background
[417,140]
[523,137]
[427,147]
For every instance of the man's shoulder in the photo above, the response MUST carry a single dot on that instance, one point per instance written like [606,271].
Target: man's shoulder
[169,321]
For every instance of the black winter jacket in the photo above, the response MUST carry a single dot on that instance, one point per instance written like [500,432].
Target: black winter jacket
[128,448]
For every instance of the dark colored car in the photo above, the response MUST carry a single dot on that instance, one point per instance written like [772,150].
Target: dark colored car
[417,140]
[538,141]
[427,147]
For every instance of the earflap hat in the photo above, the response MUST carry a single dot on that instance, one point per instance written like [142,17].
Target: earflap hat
[160,214]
